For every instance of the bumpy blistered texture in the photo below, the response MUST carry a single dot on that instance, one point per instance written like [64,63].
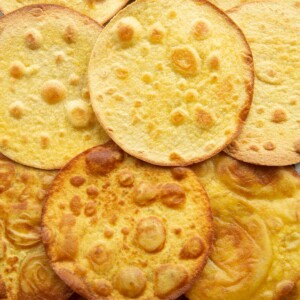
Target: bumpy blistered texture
[271,134]
[119,228]
[171,81]
[100,10]
[25,272]
[256,249]
[45,113]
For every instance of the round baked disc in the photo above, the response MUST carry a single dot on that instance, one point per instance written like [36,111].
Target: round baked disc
[171,82]
[118,228]
[25,273]
[101,11]
[45,113]
[256,213]
[271,135]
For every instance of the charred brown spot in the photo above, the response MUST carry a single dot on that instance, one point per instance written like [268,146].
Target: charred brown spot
[279,116]
[92,191]
[192,248]
[179,173]
[76,205]
[77,181]
[172,194]
[3,294]
[103,160]
[175,157]
[125,33]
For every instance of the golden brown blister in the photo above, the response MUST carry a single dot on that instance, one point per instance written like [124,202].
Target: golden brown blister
[256,249]
[271,134]
[45,113]
[25,273]
[101,11]
[171,95]
[118,228]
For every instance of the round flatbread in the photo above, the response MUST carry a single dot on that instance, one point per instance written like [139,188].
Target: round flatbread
[118,228]
[25,273]
[45,113]
[271,135]
[101,11]
[256,212]
[171,95]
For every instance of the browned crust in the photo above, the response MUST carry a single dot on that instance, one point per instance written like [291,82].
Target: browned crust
[80,286]
[275,161]
[3,293]
[241,117]
[45,7]
[279,160]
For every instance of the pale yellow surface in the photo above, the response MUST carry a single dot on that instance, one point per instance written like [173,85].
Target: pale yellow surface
[228,4]
[100,10]
[25,273]
[45,113]
[271,135]
[121,228]
[256,252]
[171,81]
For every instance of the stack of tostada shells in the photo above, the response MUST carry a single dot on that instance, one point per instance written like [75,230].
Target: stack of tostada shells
[148,149]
